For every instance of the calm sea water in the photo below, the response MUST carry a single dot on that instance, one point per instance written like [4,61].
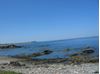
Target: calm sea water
[58,47]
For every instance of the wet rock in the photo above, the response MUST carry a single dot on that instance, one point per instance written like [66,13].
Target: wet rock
[47,51]
[15,63]
[75,54]
[6,46]
[30,56]
[88,50]
[36,54]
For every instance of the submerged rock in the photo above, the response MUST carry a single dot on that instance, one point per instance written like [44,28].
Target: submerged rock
[36,54]
[45,52]
[75,54]
[30,56]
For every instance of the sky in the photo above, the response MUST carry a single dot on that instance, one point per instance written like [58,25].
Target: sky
[43,20]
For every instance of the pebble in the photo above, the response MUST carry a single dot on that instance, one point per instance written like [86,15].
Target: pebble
[87,68]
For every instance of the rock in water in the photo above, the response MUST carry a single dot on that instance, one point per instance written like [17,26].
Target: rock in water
[88,50]
[7,46]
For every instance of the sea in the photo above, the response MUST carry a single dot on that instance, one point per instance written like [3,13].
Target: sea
[59,47]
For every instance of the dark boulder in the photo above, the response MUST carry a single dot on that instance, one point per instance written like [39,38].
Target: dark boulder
[7,46]
[88,50]
[47,51]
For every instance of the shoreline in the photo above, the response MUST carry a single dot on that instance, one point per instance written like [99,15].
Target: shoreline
[27,67]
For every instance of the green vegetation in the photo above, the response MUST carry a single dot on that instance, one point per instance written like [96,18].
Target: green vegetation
[8,72]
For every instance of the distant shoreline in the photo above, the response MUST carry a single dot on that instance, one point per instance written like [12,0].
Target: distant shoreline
[48,40]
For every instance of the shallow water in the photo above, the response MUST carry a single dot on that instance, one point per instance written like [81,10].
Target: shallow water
[58,47]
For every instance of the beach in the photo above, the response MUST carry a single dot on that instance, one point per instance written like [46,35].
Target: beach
[29,68]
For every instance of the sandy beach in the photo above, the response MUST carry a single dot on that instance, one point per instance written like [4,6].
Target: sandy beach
[29,68]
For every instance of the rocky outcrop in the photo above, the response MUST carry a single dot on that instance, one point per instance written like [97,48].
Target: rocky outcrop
[45,52]
[84,56]
[88,50]
[7,46]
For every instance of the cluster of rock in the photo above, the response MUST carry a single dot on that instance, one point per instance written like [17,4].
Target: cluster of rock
[7,46]
[13,64]
[80,57]
[16,63]
[88,68]
[84,56]
[45,52]
[85,51]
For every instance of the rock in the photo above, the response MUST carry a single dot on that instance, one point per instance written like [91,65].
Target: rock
[96,72]
[36,54]
[47,51]
[30,56]
[75,54]
[88,50]
[6,46]
[2,67]
[5,64]
[12,63]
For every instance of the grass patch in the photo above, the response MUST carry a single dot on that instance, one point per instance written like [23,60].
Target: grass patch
[8,72]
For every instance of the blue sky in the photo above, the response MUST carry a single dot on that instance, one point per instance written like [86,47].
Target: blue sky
[41,20]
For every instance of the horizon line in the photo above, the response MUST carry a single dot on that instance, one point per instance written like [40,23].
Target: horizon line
[49,40]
